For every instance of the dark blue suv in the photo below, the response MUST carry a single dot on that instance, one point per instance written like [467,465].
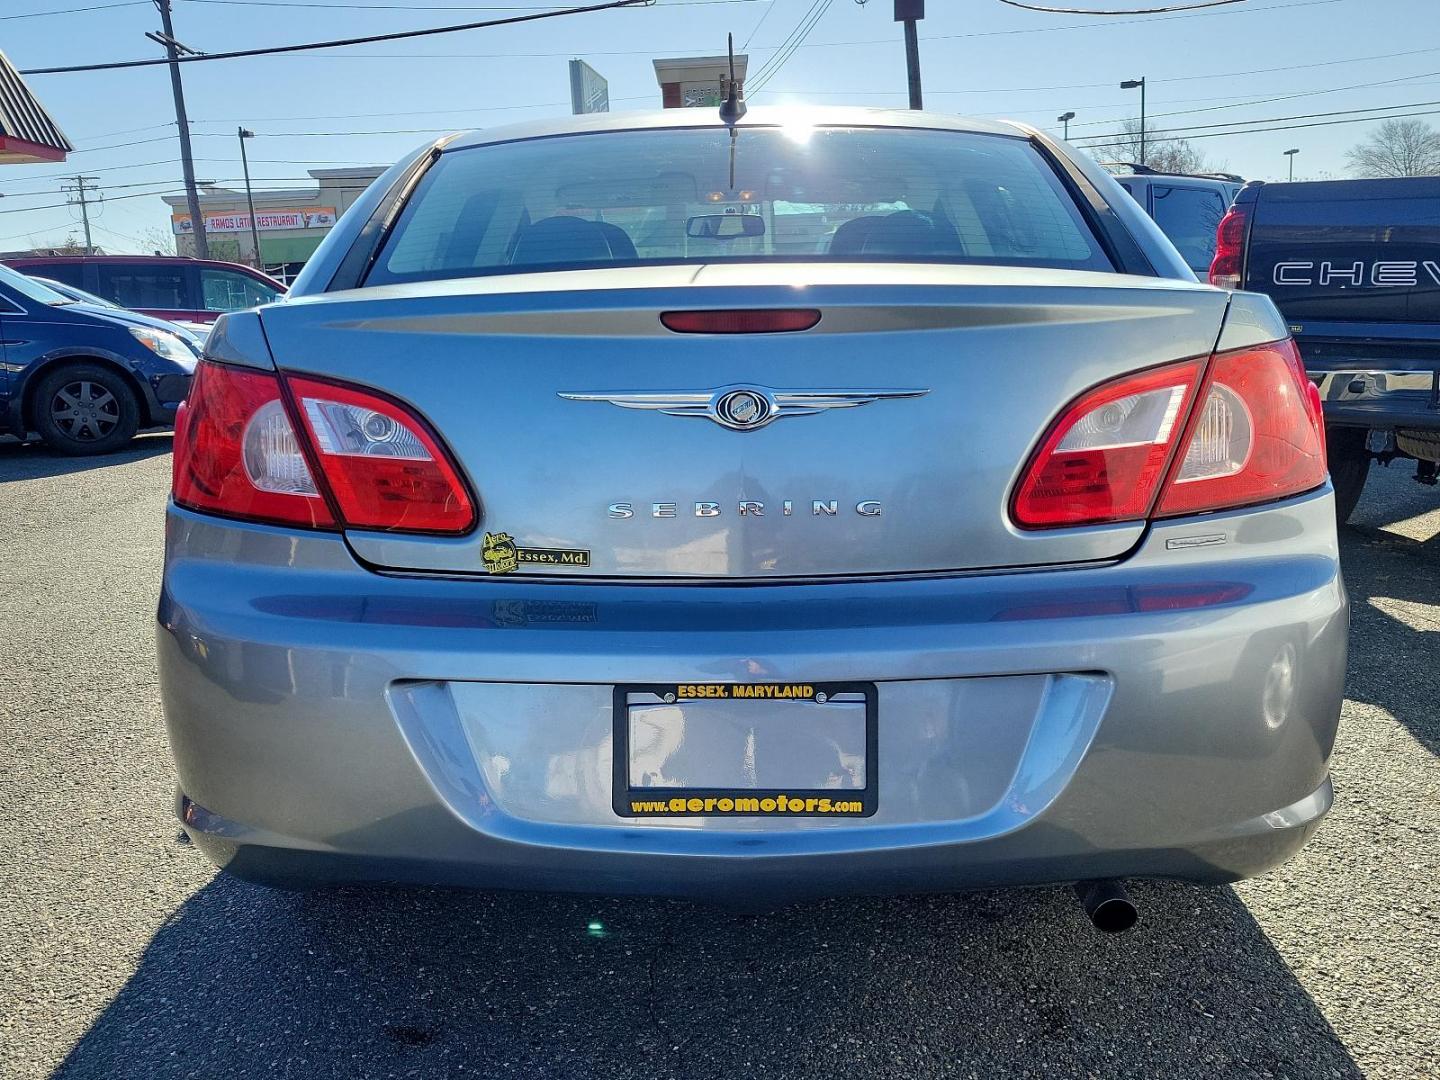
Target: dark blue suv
[85,378]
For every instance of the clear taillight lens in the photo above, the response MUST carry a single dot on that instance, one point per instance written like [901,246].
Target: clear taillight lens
[384,467]
[1259,436]
[1103,460]
[241,451]
[236,451]
[270,449]
[1256,435]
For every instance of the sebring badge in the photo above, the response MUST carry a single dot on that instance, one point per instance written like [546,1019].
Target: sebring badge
[743,408]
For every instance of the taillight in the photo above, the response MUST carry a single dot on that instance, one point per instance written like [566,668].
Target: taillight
[383,466]
[237,454]
[354,460]
[1254,435]
[1227,268]
[1103,460]
[1257,435]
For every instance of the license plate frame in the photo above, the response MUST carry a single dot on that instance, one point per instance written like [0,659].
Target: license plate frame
[814,803]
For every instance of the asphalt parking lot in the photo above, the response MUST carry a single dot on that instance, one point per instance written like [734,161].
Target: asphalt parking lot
[122,954]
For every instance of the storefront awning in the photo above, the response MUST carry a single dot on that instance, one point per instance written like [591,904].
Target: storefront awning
[27,133]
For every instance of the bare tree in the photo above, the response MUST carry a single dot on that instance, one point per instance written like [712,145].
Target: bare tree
[1398,148]
[160,241]
[1166,155]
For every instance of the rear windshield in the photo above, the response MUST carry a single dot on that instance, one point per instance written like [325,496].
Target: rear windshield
[693,196]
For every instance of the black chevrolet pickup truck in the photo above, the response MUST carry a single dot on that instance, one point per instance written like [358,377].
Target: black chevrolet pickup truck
[1354,266]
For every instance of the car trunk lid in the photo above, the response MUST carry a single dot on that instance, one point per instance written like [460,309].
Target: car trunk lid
[934,384]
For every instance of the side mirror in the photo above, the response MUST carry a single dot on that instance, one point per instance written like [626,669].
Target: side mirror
[724,226]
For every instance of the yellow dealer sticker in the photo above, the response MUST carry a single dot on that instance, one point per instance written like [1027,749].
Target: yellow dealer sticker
[501,555]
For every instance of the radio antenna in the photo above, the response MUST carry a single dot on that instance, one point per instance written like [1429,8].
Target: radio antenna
[732,105]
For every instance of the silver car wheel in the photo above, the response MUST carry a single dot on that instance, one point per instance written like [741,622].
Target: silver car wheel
[85,410]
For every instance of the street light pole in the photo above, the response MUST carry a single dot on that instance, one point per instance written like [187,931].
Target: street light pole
[249,198]
[1291,155]
[910,12]
[1065,119]
[1131,84]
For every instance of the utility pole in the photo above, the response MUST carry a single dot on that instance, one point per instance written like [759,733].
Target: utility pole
[1131,84]
[187,161]
[910,12]
[249,198]
[80,189]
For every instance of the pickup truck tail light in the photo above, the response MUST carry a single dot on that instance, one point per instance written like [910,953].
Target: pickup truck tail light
[260,447]
[1140,446]
[1227,268]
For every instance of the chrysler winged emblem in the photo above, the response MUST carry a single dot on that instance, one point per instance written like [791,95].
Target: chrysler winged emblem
[743,408]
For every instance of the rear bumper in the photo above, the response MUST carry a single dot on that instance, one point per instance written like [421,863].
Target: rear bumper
[1376,395]
[1168,716]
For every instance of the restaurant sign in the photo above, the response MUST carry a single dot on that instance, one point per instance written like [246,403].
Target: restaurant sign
[310,217]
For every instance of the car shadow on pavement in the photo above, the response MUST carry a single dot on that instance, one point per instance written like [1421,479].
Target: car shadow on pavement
[34,461]
[248,982]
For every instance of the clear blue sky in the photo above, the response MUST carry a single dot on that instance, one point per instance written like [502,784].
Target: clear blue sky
[979,57]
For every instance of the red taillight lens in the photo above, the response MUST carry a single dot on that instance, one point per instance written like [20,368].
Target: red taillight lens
[1258,434]
[1228,265]
[384,467]
[1255,435]
[759,321]
[1103,460]
[238,452]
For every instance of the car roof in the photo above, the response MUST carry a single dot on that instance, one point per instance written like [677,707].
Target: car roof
[188,260]
[762,116]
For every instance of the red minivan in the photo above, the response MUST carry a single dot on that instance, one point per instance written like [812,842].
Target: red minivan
[172,287]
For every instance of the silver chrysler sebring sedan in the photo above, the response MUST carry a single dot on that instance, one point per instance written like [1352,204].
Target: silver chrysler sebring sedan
[838,501]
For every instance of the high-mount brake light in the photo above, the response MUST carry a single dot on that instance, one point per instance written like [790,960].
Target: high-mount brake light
[1227,268]
[756,321]
[1140,446]
[249,447]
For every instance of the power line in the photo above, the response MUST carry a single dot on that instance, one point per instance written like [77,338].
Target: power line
[336,43]
[168,190]
[1120,11]
[444,7]
[1285,97]
[118,146]
[1110,83]
[76,11]
[787,49]
[1318,123]
[756,28]
[1184,131]
[680,50]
